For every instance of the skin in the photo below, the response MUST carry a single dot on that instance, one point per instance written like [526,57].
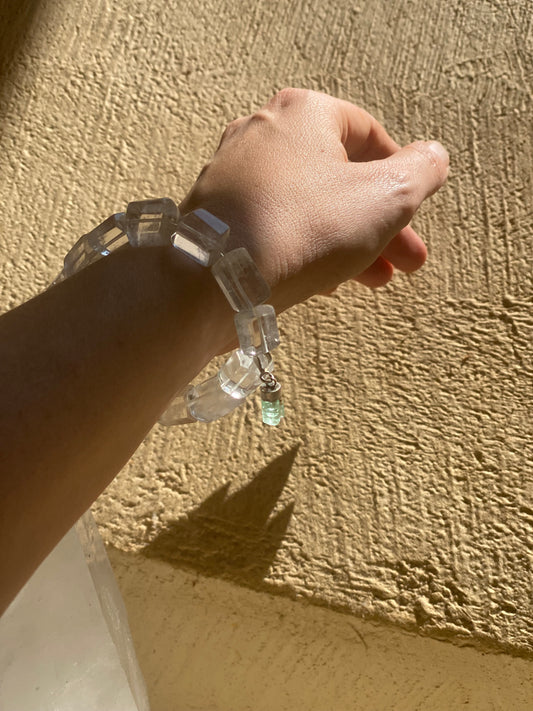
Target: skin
[317,192]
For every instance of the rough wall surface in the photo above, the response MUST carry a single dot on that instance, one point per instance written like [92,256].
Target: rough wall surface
[213,646]
[401,486]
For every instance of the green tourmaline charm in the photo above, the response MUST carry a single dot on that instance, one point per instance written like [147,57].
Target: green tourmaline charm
[271,405]
[272,412]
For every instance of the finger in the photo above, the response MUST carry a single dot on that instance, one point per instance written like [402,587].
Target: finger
[362,136]
[377,274]
[406,251]
[397,185]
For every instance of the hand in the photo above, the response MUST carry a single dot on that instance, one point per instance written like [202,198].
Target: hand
[319,193]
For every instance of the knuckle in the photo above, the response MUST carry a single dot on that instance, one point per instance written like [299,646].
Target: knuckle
[403,195]
[231,129]
[289,96]
[263,115]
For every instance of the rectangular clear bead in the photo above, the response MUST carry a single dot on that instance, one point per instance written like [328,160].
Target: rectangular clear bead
[79,256]
[257,330]
[239,376]
[177,413]
[208,401]
[240,280]
[201,236]
[151,222]
[109,236]
[99,242]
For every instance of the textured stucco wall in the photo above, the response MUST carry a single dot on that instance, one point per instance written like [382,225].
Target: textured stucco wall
[401,486]
[208,645]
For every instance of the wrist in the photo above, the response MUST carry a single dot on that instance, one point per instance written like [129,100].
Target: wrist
[177,305]
[209,316]
[178,311]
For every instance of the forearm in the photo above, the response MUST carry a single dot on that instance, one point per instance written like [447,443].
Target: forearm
[86,369]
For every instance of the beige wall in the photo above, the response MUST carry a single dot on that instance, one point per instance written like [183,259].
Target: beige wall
[400,487]
[208,645]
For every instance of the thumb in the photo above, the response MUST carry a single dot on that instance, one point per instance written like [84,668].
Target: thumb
[402,181]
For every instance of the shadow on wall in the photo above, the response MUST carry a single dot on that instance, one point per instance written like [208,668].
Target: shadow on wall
[16,17]
[232,536]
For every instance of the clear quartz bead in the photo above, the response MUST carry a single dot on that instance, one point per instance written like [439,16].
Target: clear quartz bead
[79,256]
[177,413]
[151,222]
[201,236]
[257,330]
[104,239]
[208,401]
[109,236]
[240,280]
[239,376]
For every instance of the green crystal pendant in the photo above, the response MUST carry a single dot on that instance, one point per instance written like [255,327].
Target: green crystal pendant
[271,405]
[272,412]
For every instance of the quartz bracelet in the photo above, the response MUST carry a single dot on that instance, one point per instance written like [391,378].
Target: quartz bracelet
[202,237]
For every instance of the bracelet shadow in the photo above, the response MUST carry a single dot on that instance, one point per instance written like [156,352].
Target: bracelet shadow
[231,536]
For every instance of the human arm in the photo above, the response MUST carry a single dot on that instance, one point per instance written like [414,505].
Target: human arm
[86,369]
[315,190]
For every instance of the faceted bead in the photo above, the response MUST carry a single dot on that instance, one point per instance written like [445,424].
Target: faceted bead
[208,401]
[201,236]
[257,330]
[104,239]
[239,376]
[79,256]
[151,222]
[178,411]
[109,236]
[240,280]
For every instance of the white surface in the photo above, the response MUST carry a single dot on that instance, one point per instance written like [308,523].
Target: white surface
[56,651]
